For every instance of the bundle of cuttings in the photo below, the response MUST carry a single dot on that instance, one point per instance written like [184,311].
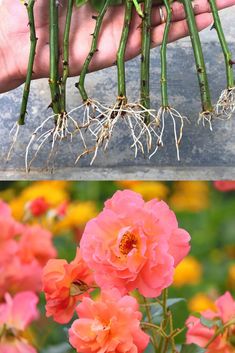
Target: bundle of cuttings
[94,122]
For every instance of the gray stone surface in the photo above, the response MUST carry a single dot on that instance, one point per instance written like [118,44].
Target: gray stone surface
[204,154]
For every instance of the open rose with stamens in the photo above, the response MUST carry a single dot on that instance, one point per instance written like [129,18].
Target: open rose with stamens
[134,244]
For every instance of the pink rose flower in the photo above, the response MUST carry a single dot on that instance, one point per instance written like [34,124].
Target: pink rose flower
[23,257]
[38,207]
[15,316]
[225,186]
[8,225]
[36,243]
[110,324]
[199,334]
[134,244]
[64,285]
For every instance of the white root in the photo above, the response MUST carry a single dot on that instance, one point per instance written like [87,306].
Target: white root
[101,125]
[98,121]
[159,124]
[206,117]
[64,126]
[14,132]
[225,106]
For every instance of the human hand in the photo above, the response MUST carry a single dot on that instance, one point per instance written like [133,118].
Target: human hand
[14,36]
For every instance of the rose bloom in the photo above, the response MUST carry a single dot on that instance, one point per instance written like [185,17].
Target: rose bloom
[17,276]
[8,225]
[110,324]
[132,244]
[199,334]
[64,285]
[224,185]
[37,207]
[36,243]
[15,316]
[23,257]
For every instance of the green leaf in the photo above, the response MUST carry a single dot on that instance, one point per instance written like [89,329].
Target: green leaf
[156,309]
[192,348]
[138,8]
[174,301]
[79,3]
[210,323]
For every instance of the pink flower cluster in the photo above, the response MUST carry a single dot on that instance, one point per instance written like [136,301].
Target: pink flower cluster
[129,245]
[201,335]
[25,250]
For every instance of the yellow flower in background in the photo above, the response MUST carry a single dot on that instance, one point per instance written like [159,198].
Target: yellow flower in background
[127,184]
[189,271]
[231,276]
[190,196]
[201,302]
[148,189]
[54,193]
[77,215]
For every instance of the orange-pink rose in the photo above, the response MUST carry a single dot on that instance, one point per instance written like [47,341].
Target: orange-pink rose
[134,244]
[15,316]
[199,334]
[110,324]
[64,285]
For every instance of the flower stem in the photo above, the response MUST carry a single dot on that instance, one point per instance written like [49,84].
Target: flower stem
[165,319]
[165,103]
[150,319]
[99,19]
[224,45]
[155,327]
[54,57]
[33,39]
[199,58]
[66,54]
[145,57]
[122,49]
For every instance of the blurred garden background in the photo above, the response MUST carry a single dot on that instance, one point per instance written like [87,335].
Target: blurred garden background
[205,209]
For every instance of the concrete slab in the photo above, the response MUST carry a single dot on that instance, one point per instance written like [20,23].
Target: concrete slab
[204,154]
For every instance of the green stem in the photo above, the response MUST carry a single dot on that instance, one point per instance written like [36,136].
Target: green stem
[223,43]
[145,57]
[199,58]
[152,326]
[164,92]
[66,54]
[122,49]
[99,19]
[33,41]
[165,318]
[54,57]
[150,319]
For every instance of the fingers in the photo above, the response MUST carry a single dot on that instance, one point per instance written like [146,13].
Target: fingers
[178,14]
[180,29]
